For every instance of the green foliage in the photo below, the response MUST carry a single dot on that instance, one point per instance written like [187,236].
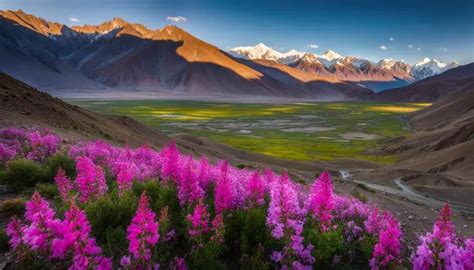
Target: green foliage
[327,244]
[109,217]
[256,260]
[161,196]
[13,207]
[48,190]
[206,257]
[59,160]
[4,245]
[22,174]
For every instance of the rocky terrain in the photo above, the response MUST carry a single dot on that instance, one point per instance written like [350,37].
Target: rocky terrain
[432,88]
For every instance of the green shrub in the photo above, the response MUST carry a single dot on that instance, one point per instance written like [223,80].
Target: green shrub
[109,217]
[4,245]
[22,174]
[206,257]
[60,160]
[327,244]
[13,207]
[48,190]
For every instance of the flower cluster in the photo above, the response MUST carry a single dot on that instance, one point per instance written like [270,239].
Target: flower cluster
[442,249]
[210,199]
[35,144]
[90,179]
[46,236]
[142,234]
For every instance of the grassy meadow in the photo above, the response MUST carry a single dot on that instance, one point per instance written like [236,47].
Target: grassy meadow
[300,131]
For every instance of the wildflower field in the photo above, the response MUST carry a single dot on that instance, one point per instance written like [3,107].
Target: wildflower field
[317,131]
[99,206]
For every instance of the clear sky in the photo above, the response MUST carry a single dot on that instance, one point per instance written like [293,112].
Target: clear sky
[399,29]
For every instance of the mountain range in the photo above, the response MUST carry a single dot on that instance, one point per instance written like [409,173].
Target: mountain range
[349,68]
[121,55]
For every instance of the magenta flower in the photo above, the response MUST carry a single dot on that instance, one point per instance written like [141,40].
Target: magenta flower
[64,184]
[256,188]
[6,153]
[223,191]
[143,232]
[441,249]
[388,248]
[204,175]
[189,190]
[75,242]
[42,146]
[321,200]
[170,158]
[90,179]
[198,220]
[43,224]
[124,177]
[15,231]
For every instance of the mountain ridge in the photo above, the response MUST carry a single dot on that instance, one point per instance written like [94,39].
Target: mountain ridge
[119,54]
[348,68]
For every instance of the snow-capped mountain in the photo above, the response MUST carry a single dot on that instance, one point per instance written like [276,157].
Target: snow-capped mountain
[347,68]
[261,51]
[429,67]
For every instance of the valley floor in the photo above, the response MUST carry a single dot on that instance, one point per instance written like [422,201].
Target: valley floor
[296,131]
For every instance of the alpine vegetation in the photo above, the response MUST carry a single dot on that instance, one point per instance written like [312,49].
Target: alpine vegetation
[118,207]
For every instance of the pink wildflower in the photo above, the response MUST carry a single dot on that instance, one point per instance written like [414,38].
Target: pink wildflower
[256,188]
[170,156]
[64,184]
[90,179]
[198,220]
[388,248]
[15,231]
[143,231]
[76,242]
[124,177]
[223,192]
[43,224]
[321,202]
[440,249]
[189,190]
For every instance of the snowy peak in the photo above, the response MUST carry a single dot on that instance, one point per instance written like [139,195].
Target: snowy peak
[331,55]
[262,51]
[429,67]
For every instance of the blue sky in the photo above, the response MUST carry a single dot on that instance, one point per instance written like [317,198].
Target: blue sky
[409,30]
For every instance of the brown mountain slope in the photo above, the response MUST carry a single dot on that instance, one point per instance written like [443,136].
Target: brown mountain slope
[432,88]
[125,55]
[442,148]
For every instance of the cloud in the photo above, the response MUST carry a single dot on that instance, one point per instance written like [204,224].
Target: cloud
[392,39]
[410,46]
[72,19]
[383,47]
[313,46]
[177,19]
[419,48]
[443,49]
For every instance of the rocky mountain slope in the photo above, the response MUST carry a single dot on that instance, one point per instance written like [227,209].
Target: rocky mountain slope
[441,149]
[119,54]
[432,88]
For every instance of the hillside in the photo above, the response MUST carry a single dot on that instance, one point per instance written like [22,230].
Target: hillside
[432,88]
[122,55]
[441,149]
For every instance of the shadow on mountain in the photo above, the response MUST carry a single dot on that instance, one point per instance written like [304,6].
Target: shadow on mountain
[172,61]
